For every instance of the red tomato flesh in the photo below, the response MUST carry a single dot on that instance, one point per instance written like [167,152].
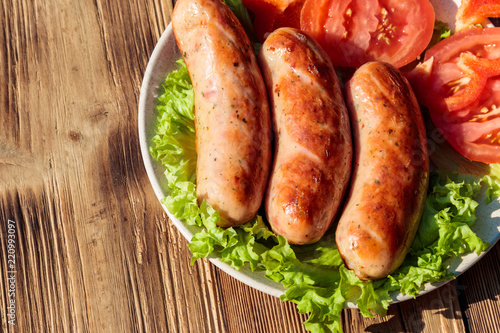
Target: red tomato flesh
[272,14]
[459,82]
[357,31]
[476,11]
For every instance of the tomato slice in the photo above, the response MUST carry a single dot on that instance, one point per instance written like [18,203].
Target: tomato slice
[272,14]
[265,13]
[459,82]
[476,11]
[357,31]
[290,17]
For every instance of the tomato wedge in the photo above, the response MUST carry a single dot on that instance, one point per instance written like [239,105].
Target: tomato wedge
[272,14]
[357,31]
[459,82]
[476,11]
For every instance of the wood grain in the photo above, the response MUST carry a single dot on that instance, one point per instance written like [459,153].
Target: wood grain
[480,289]
[94,250]
[437,311]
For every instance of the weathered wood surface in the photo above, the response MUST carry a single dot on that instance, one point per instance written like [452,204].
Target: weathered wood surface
[94,251]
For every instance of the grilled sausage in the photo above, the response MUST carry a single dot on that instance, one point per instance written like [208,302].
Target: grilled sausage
[390,172]
[313,148]
[232,118]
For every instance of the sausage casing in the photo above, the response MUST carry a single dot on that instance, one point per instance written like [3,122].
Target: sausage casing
[232,119]
[390,172]
[313,148]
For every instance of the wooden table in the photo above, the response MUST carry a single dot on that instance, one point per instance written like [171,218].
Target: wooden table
[94,250]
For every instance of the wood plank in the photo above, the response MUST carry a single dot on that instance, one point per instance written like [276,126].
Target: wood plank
[249,310]
[480,290]
[353,321]
[91,254]
[436,311]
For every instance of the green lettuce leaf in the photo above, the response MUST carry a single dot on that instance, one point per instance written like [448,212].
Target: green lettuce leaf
[314,276]
[444,231]
[440,32]
[492,182]
[173,144]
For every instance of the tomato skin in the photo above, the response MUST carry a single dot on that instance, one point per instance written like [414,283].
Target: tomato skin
[265,13]
[476,12]
[358,31]
[459,83]
[273,14]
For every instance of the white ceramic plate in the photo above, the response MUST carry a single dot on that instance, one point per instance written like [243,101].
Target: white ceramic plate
[163,60]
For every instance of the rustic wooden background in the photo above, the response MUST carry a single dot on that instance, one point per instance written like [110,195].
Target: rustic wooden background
[94,251]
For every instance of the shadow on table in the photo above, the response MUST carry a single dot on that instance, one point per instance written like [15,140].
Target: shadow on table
[447,306]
